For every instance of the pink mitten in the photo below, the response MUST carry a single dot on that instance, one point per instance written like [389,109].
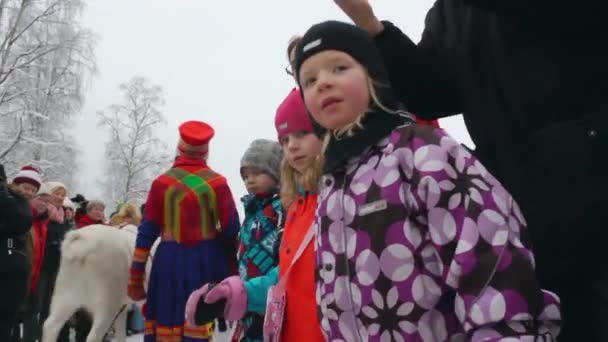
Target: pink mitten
[192,303]
[233,290]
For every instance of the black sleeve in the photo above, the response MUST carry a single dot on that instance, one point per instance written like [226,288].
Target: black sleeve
[507,6]
[558,16]
[423,76]
[15,213]
[525,7]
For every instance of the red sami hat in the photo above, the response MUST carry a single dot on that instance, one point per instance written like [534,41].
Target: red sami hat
[194,138]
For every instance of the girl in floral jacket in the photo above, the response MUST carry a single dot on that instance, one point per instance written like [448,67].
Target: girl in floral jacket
[416,241]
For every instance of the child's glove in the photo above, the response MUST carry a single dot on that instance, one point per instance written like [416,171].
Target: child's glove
[231,289]
[227,300]
[192,305]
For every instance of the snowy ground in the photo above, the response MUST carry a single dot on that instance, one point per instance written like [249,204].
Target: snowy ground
[135,338]
[219,337]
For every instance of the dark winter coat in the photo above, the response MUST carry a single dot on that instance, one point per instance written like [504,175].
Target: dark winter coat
[531,79]
[15,267]
[52,255]
[15,220]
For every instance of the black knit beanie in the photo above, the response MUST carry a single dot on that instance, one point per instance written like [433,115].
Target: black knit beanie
[344,37]
[354,41]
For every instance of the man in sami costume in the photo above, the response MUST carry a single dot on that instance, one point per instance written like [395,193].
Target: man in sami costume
[191,209]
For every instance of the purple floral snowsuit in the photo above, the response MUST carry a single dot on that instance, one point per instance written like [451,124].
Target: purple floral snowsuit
[418,242]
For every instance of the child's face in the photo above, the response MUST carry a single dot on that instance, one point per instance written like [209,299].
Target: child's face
[300,149]
[335,88]
[256,181]
[69,213]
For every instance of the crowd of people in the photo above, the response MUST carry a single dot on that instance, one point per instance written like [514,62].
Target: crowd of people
[36,215]
[363,222]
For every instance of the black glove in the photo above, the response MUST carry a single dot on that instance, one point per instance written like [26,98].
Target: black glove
[221,325]
[206,313]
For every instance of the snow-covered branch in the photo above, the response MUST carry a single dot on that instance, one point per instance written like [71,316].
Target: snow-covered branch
[134,154]
[14,141]
[46,56]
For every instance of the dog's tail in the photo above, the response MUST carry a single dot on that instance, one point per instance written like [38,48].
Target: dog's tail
[76,247]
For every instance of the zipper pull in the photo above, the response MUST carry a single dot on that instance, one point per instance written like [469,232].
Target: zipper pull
[258,232]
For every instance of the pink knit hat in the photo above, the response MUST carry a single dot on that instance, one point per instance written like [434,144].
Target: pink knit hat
[292,115]
[28,174]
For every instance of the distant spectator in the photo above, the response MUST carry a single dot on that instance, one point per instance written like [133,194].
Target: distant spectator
[70,212]
[127,214]
[94,214]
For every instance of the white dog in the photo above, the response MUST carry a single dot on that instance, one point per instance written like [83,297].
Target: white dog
[94,275]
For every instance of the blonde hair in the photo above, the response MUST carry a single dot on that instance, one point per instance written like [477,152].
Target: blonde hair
[292,179]
[127,211]
[350,129]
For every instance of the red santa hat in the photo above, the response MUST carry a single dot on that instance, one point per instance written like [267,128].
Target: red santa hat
[28,174]
[194,137]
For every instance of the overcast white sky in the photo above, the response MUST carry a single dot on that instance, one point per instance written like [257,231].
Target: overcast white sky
[218,61]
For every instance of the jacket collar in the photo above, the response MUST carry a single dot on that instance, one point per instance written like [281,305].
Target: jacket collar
[187,161]
[253,201]
[376,126]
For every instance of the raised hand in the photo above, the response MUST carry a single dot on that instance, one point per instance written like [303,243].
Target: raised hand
[362,14]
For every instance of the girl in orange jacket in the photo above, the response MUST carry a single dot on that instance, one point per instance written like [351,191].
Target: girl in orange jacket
[300,174]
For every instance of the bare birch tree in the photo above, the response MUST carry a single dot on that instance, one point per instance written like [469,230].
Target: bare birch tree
[134,154]
[45,60]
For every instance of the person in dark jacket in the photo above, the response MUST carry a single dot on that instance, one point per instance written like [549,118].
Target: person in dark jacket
[15,223]
[530,79]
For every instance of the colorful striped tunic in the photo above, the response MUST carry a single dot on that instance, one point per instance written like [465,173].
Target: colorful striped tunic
[192,209]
